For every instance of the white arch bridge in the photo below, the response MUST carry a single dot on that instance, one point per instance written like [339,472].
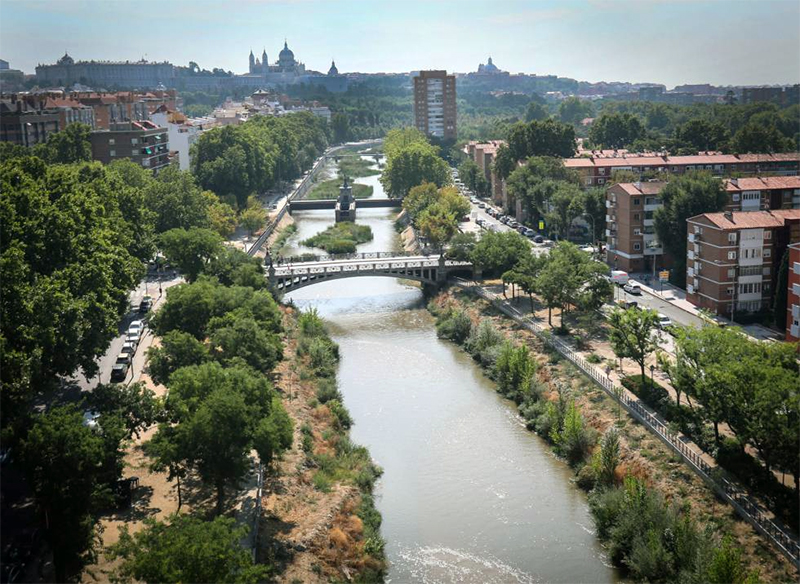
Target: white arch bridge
[295,273]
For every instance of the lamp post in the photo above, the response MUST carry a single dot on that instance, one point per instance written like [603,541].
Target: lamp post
[652,368]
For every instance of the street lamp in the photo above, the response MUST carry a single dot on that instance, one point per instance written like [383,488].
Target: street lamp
[652,368]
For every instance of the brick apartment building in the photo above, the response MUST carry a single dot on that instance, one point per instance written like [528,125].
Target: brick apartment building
[27,121]
[435,104]
[143,142]
[793,297]
[483,154]
[596,170]
[732,258]
[631,206]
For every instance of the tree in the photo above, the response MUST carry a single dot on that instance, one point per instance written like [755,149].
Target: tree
[187,549]
[594,205]
[438,225]
[253,219]
[616,130]
[574,109]
[684,197]
[758,138]
[780,302]
[499,252]
[504,163]
[699,134]
[273,434]
[222,218]
[461,246]
[235,336]
[542,138]
[420,198]
[560,278]
[167,452]
[178,349]
[68,146]
[632,335]
[535,111]
[473,177]
[341,127]
[135,405]
[413,165]
[399,138]
[219,437]
[535,183]
[566,205]
[190,250]
[609,456]
[60,458]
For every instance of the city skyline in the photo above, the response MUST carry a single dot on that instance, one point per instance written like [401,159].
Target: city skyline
[655,41]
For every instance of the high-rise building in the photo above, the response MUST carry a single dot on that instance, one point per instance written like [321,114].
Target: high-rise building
[793,296]
[435,104]
[142,142]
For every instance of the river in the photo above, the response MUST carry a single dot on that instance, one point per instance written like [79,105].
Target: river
[467,494]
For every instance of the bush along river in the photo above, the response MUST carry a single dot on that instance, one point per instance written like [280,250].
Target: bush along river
[467,494]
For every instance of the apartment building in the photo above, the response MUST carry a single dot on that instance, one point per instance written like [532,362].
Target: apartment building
[630,232]
[27,121]
[761,193]
[597,170]
[733,257]
[483,154]
[182,132]
[143,142]
[631,242]
[435,104]
[793,296]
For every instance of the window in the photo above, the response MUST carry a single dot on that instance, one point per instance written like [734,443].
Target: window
[635,201]
[732,273]
[134,141]
[731,255]
[636,216]
[637,246]
[750,288]
[111,141]
[768,234]
[730,291]
[637,231]
[731,238]
[766,286]
[601,181]
[768,252]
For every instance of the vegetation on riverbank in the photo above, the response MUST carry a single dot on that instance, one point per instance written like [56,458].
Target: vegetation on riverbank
[571,413]
[325,491]
[329,189]
[340,238]
[352,167]
[283,237]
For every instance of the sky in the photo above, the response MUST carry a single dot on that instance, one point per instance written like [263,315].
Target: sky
[723,42]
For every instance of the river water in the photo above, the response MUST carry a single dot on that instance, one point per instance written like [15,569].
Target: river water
[467,494]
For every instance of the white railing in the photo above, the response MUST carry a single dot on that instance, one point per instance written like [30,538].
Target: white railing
[780,536]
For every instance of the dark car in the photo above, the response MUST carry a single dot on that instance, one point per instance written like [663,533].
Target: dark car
[119,372]
[146,304]
[538,239]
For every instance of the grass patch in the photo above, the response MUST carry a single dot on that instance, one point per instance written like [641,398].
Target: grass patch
[357,167]
[329,189]
[340,238]
[284,236]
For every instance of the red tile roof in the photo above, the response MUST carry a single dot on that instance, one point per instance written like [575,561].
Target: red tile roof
[762,183]
[641,188]
[749,219]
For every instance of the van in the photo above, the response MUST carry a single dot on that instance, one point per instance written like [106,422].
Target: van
[619,277]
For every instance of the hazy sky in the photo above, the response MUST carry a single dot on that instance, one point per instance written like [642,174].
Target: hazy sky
[661,41]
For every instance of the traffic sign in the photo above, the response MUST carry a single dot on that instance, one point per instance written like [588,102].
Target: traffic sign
[541,224]
[663,275]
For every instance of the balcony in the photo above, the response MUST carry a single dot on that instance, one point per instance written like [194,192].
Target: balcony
[796,311]
[690,254]
[694,237]
[649,222]
[652,207]
[651,251]
[610,203]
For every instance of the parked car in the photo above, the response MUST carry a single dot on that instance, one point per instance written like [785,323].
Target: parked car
[521,229]
[664,322]
[119,372]
[481,205]
[504,219]
[129,348]
[626,304]
[633,288]
[133,337]
[146,304]
[136,326]
[124,359]
[538,239]
[529,232]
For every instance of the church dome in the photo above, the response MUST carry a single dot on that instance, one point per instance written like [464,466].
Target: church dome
[66,60]
[286,54]
[333,70]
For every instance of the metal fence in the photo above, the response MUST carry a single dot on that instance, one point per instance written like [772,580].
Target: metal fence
[780,536]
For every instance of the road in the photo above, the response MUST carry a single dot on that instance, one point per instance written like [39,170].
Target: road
[677,315]
[150,285]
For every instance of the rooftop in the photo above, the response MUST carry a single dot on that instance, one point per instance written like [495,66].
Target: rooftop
[749,219]
[762,183]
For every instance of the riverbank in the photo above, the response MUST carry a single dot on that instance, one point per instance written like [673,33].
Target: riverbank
[642,454]
[319,522]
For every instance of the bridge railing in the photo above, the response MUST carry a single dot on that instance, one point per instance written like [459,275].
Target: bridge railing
[736,495]
[368,255]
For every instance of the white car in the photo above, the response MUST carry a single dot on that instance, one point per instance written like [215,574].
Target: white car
[664,321]
[633,288]
[136,326]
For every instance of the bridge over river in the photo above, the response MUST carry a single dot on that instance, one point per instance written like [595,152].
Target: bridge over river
[295,273]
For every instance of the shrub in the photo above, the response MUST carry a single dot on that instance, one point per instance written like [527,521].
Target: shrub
[587,478]
[322,482]
[310,323]
[482,338]
[324,355]
[455,327]
[594,358]
[327,391]
[576,440]
[342,419]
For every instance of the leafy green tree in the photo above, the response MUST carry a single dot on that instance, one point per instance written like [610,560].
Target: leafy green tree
[566,204]
[504,163]
[420,198]
[174,196]
[253,219]
[190,250]
[574,109]
[438,225]
[631,335]
[274,433]
[166,450]
[616,130]
[499,252]
[699,134]
[757,138]
[609,456]
[461,246]
[536,111]
[60,458]
[222,218]
[135,405]
[341,127]
[66,147]
[684,197]
[242,337]
[400,138]
[178,349]
[780,301]
[413,165]
[594,205]
[542,138]
[219,438]
[233,267]
[535,183]
[514,369]
[473,177]
[187,549]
